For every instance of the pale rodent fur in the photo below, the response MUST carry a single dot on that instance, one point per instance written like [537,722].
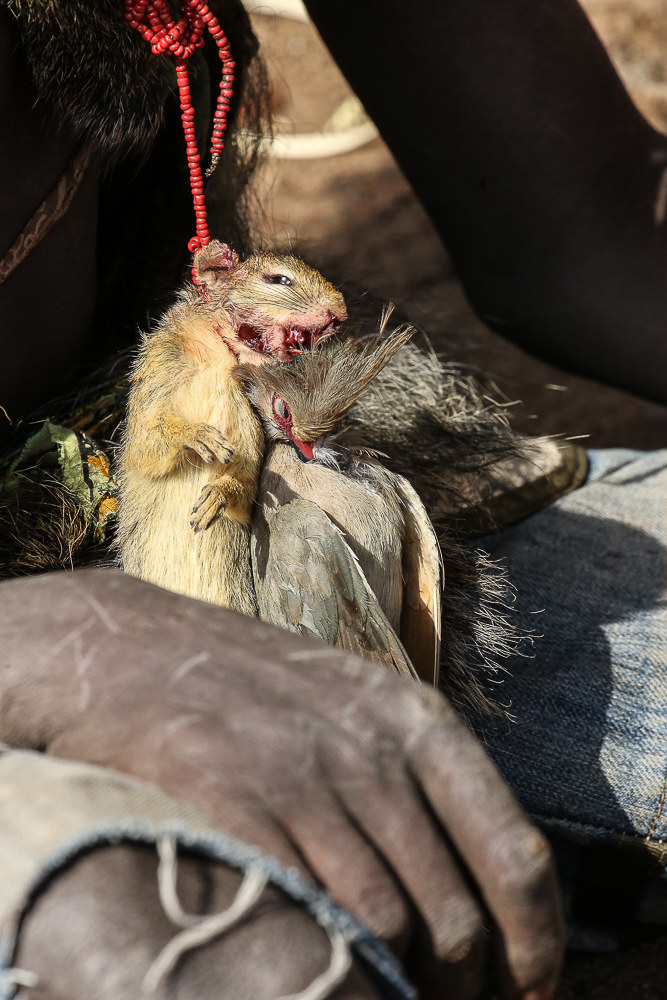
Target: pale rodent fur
[192,446]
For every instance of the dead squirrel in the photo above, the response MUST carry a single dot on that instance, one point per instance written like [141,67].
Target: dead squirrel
[192,445]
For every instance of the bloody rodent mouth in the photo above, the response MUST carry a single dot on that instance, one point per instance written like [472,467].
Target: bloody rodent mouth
[295,339]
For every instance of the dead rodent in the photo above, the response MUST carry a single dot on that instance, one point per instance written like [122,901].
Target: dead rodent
[192,446]
[269,305]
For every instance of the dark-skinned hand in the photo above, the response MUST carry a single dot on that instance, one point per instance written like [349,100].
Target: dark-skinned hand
[368,783]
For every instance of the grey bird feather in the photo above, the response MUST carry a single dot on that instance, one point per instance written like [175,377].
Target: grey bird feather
[359,509]
[314,584]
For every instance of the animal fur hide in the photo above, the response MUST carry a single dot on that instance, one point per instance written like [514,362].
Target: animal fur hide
[435,424]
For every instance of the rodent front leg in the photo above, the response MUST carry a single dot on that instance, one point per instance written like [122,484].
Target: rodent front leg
[207,441]
[222,495]
[164,442]
[232,493]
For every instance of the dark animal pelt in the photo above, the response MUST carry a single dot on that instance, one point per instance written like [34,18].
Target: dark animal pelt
[43,528]
[436,423]
[100,75]
[432,423]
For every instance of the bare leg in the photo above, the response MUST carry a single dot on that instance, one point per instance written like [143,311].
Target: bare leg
[98,928]
[541,176]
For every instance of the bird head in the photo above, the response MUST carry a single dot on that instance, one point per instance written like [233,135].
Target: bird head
[306,400]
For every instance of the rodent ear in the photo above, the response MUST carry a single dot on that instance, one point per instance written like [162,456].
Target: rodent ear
[213,263]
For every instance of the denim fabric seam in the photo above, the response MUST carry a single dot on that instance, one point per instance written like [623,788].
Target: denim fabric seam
[660,806]
[384,969]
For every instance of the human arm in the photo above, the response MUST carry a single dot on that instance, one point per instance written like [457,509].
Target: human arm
[366,782]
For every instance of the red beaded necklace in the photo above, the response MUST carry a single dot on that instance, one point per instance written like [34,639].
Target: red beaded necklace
[180,38]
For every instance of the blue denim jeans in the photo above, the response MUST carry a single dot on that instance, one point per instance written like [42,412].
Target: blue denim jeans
[587,753]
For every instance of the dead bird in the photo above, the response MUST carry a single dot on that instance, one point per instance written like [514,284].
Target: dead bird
[342,548]
[438,424]
[193,446]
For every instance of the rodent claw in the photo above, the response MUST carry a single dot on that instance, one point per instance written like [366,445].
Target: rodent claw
[211,444]
[211,503]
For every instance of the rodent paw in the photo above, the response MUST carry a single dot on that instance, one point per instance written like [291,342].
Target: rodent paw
[211,503]
[211,444]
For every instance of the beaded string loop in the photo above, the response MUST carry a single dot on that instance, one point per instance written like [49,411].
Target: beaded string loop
[180,38]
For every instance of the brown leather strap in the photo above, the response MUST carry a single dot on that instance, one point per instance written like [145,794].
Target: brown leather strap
[48,213]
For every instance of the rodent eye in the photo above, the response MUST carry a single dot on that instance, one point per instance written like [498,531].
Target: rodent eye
[282,412]
[278,279]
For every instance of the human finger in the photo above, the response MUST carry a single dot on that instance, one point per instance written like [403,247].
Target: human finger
[343,860]
[179,768]
[508,858]
[384,802]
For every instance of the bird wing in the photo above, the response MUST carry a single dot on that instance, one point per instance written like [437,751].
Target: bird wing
[424,577]
[309,581]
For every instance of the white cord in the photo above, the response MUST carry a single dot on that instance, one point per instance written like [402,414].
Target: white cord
[198,930]
[339,966]
[21,977]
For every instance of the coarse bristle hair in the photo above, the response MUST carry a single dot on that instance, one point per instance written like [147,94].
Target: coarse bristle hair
[100,74]
[42,528]
[437,422]
[321,385]
[441,425]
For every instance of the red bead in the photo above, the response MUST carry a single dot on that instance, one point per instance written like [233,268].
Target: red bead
[180,38]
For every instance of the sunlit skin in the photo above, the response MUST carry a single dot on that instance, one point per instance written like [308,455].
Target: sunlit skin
[561,245]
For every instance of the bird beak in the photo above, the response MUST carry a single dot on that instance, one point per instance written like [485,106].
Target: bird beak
[305,448]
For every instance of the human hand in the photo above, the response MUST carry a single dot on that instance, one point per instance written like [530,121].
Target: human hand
[363,781]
